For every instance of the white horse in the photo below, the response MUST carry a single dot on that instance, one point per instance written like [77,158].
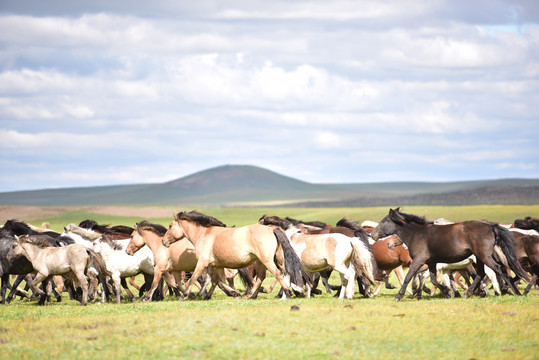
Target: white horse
[118,263]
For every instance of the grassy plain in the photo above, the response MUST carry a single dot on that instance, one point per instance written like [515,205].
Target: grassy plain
[267,328]
[244,216]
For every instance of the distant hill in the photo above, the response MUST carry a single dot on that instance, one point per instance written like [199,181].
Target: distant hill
[243,185]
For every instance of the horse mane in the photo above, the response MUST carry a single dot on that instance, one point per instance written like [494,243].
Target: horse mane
[111,242]
[528,223]
[90,234]
[318,224]
[354,226]
[105,229]
[155,228]
[284,224]
[34,240]
[413,219]
[199,218]
[18,227]
[347,223]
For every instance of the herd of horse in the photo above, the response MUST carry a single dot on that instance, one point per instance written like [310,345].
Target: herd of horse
[90,260]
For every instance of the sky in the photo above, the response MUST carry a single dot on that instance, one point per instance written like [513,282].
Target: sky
[120,92]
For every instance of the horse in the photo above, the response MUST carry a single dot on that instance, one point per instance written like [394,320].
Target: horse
[15,265]
[430,244]
[47,261]
[177,258]
[528,223]
[15,227]
[116,232]
[121,265]
[527,252]
[336,251]
[390,259]
[220,247]
[88,238]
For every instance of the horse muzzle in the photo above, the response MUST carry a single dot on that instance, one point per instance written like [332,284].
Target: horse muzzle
[165,244]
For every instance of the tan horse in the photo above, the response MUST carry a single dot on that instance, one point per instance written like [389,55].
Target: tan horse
[47,261]
[328,251]
[235,248]
[178,258]
[175,259]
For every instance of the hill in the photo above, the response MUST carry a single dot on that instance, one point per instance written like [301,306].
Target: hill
[242,185]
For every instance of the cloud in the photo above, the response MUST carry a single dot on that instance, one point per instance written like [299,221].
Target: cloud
[450,86]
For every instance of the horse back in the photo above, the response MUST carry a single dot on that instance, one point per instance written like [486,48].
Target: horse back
[458,239]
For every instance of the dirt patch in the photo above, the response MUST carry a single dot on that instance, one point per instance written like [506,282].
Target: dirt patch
[144,212]
[28,213]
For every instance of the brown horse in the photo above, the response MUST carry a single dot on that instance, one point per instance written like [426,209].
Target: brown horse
[47,261]
[235,248]
[527,252]
[430,244]
[390,259]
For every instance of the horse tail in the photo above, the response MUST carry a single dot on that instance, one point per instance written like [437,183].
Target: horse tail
[504,239]
[246,278]
[364,238]
[97,263]
[362,259]
[292,263]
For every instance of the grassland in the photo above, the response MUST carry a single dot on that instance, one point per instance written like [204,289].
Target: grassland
[248,215]
[267,328]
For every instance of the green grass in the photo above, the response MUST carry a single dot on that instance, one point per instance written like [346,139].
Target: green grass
[267,328]
[244,216]
[324,327]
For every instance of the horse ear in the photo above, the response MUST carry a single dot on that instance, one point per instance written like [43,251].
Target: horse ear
[175,215]
[398,209]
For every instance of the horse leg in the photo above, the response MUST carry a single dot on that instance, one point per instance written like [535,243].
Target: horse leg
[399,272]
[202,264]
[3,289]
[58,280]
[132,282]
[117,286]
[347,280]
[47,284]
[37,279]
[203,288]
[414,268]
[260,276]
[157,274]
[492,276]
[170,279]
[130,295]
[477,280]
[92,285]
[448,293]
[13,291]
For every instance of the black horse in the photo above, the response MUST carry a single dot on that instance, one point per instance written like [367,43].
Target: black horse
[18,266]
[22,266]
[430,244]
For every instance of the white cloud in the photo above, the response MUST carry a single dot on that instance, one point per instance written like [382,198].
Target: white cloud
[444,84]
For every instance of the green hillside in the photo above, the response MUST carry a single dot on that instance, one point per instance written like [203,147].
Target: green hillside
[241,185]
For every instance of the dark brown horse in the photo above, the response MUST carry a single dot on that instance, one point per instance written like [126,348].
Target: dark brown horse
[527,251]
[430,244]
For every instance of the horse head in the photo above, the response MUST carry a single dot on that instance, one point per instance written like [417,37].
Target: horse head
[388,225]
[136,242]
[174,232]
